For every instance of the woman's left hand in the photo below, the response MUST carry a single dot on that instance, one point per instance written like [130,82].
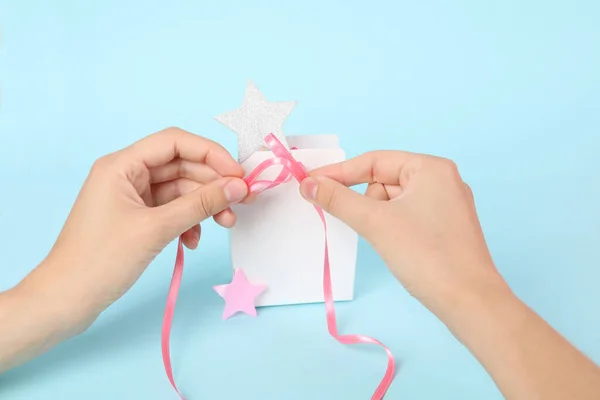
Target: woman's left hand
[133,203]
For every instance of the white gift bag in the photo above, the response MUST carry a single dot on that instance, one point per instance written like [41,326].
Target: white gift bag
[279,241]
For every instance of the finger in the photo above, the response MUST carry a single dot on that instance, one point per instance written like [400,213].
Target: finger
[376,191]
[180,168]
[186,211]
[226,218]
[164,192]
[388,167]
[191,237]
[343,203]
[169,191]
[469,192]
[160,148]
[251,198]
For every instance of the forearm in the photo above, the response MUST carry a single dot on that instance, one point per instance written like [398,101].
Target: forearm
[526,357]
[34,316]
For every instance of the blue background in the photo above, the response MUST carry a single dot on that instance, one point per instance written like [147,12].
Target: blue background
[509,89]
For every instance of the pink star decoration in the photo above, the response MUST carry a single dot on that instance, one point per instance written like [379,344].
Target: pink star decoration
[239,295]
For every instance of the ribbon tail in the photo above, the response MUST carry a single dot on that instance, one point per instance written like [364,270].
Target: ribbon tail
[169,312]
[332,321]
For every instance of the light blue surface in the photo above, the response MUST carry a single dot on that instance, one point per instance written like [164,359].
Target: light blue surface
[508,89]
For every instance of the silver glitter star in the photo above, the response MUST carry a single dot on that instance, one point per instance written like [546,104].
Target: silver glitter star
[255,119]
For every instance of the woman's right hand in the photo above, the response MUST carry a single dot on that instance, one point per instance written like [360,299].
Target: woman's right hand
[420,217]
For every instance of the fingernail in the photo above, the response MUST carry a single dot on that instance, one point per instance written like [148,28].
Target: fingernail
[309,189]
[235,190]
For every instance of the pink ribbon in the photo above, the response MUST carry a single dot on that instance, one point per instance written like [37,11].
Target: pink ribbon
[291,168]
[169,311]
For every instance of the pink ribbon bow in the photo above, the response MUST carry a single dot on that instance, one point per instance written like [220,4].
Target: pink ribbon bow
[291,168]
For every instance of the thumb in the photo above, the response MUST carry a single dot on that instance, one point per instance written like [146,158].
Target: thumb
[186,211]
[340,201]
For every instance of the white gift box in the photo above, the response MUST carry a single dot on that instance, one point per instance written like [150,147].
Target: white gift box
[279,240]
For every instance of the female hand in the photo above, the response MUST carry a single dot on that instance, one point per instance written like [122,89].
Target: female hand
[133,203]
[417,213]
[420,216]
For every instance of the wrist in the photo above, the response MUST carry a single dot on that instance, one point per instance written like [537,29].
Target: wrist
[51,297]
[487,318]
[484,297]
[40,312]
[30,326]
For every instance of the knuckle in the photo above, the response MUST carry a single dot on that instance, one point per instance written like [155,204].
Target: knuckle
[374,154]
[469,190]
[172,189]
[172,130]
[103,163]
[450,165]
[447,168]
[202,207]
[412,167]
[331,199]
[181,168]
